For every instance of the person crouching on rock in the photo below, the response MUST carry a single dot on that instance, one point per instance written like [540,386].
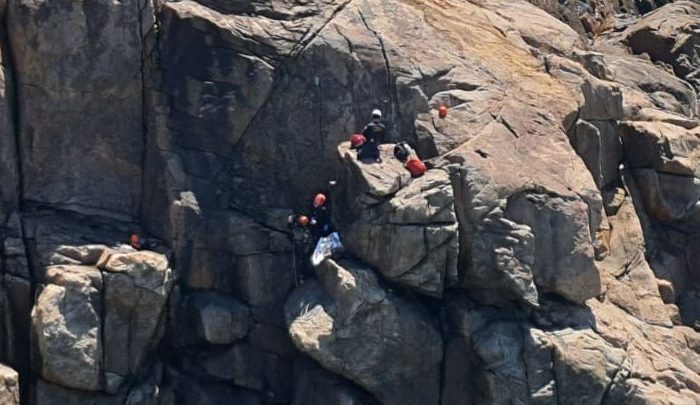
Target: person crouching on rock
[406,155]
[374,133]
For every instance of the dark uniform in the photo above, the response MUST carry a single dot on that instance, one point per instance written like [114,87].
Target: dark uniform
[375,133]
[302,242]
[322,222]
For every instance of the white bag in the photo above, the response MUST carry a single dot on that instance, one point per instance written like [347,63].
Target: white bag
[326,247]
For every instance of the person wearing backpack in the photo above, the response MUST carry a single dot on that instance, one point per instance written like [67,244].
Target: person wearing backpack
[403,151]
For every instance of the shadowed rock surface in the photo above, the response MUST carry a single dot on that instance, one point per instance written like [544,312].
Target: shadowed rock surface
[548,257]
[352,326]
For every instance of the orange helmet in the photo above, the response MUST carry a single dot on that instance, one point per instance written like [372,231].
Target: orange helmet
[135,241]
[303,220]
[319,200]
[442,111]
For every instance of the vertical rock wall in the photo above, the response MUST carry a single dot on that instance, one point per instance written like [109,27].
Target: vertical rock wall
[546,258]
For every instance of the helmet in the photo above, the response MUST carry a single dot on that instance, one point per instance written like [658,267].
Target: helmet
[376,113]
[303,220]
[442,111]
[135,241]
[357,140]
[319,200]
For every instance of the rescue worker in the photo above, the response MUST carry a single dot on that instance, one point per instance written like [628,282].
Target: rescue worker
[356,141]
[375,134]
[321,217]
[135,241]
[402,151]
[406,155]
[299,226]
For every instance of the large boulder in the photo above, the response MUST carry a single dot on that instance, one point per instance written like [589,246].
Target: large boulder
[522,229]
[9,386]
[670,35]
[316,386]
[95,325]
[666,164]
[353,327]
[67,327]
[629,281]
[662,363]
[567,354]
[136,289]
[405,229]
[643,84]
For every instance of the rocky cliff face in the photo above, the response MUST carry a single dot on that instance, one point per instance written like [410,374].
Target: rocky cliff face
[549,257]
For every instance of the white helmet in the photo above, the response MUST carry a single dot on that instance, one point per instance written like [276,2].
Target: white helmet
[376,113]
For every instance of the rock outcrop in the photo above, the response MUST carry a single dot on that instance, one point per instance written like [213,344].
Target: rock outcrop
[404,228]
[96,322]
[549,255]
[670,36]
[352,326]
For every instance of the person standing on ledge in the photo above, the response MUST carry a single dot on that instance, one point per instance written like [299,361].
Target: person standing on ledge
[375,135]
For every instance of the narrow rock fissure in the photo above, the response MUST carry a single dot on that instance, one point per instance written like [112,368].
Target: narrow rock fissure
[391,84]
[13,99]
[14,105]
[144,100]
[309,38]
[103,336]
[606,393]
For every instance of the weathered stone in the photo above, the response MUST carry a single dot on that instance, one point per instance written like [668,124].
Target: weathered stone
[405,229]
[564,262]
[135,292]
[598,143]
[221,320]
[666,165]
[67,328]
[537,28]
[9,163]
[629,280]
[80,100]
[94,329]
[660,365]
[183,389]
[50,394]
[644,85]
[9,386]
[352,326]
[315,386]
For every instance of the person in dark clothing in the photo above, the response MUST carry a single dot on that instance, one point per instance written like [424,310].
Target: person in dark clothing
[300,227]
[375,135]
[321,217]
[403,151]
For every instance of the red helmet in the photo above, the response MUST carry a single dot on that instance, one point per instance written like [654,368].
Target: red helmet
[442,111]
[135,241]
[303,220]
[319,200]
[357,140]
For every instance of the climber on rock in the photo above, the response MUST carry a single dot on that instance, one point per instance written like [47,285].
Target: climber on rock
[299,225]
[374,133]
[405,154]
[321,217]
